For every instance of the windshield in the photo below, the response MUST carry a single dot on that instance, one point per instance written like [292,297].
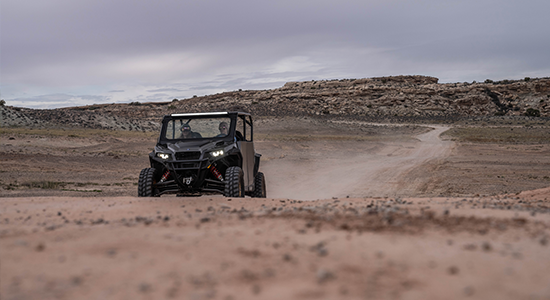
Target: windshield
[196,128]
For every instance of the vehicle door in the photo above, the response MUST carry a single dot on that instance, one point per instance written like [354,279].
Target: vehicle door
[244,125]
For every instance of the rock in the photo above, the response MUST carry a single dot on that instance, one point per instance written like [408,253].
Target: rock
[324,275]
[404,98]
[40,247]
[486,246]
[453,270]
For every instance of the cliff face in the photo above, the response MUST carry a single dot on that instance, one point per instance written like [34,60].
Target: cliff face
[407,97]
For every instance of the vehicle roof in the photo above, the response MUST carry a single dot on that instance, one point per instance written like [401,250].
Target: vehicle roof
[211,114]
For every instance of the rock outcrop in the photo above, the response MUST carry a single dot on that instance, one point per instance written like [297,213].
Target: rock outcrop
[406,97]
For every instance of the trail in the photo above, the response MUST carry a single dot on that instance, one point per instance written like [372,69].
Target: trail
[333,172]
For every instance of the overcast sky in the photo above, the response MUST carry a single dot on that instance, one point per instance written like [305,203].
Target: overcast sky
[59,53]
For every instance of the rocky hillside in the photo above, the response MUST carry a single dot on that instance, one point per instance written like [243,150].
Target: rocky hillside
[407,98]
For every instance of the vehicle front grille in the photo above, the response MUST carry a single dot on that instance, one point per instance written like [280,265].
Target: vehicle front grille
[190,155]
[186,165]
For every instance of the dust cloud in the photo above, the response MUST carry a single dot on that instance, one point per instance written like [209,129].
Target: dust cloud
[312,170]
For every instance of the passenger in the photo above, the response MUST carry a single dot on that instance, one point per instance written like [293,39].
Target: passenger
[224,129]
[186,132]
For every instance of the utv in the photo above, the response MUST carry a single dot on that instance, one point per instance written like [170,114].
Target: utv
[204,153]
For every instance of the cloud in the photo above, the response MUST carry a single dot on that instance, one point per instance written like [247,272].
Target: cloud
[164,90]
[125,50]
[57,100]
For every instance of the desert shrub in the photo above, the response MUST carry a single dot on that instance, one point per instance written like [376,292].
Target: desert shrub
[171,107]
[488,81]
[527,78]
[175,100]
[531,112]
[135,103]
[2,102]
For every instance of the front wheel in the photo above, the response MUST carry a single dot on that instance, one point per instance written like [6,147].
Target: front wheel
[146,184]
[234,182]
[259,186]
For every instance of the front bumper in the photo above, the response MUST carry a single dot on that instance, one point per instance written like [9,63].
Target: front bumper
[189,176]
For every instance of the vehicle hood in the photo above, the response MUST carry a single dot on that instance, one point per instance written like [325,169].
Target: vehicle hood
[197,145]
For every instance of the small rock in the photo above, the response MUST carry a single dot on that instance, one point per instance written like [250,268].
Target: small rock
[224,206]
[144,287]
[40,247]
[486,246]
[111,252]
[320,249]
[453,270]
[76,280]
[324,275]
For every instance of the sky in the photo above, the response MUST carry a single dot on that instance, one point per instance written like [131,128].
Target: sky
[61,53]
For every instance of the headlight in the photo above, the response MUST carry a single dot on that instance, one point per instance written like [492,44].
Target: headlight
[217,153]
[163,155]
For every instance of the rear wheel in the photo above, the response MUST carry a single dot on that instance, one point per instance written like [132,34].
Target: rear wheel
[234,182]
[147,181]
[259,186]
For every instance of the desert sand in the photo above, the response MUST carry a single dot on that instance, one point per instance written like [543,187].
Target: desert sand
[353,212]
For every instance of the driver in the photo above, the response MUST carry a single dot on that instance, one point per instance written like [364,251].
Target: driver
[224,129]
[186,132]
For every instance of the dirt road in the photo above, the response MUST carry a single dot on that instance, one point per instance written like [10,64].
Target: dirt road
[321,170]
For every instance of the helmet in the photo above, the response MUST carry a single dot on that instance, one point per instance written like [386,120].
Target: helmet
[185,127]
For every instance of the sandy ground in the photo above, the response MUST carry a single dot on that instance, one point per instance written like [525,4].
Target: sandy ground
[402,215]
